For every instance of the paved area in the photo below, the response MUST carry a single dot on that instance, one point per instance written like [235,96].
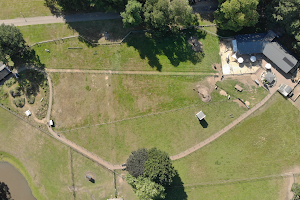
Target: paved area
[61,19]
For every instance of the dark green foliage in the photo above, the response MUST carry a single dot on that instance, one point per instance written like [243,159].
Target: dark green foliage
[135,162]
[19,102]
[132,14]
[296,190]
[11,41]
[236,14]
[286,14]
[4,192]
[10,82]
[17,91]
[159,168]
[145,189]
[30,99]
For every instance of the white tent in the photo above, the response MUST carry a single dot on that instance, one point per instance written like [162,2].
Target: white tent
[240,60]
[200,115]
[253,58]
[28,113]
[268,66]
[234,56]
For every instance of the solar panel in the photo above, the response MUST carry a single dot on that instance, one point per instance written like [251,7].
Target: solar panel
[288,62]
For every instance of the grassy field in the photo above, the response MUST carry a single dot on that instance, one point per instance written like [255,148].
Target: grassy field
[29,8]
[266,143]
[50,167]
[83,100]
[250,93]
[92,30]
[139,52]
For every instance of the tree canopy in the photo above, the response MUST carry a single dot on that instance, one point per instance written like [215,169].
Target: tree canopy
[296,190]
[286,14]
[159,168]
[235,14]
[135,162]
[132,14]
[160,15]
[145,189]
[11,41]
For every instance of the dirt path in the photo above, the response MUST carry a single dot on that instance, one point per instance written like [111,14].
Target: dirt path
[128,72]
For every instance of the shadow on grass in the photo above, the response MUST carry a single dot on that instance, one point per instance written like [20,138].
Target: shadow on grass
[176,190]
[203,123]
[174,46]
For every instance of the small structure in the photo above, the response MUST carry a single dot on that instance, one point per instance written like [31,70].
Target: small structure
[253,58]
[240,60]
[200,115]
[285,90]
[4,71]
[51,123]
[269,77]
[90,178]
[238,88]
[28,113]
[268,66]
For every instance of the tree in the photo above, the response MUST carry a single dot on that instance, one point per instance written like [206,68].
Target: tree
[235,14]
[296,190]
[145,189]
[132,14]
[4,192]
[181,14]
[11,41]
[159,168]
[286,14]
[135,162]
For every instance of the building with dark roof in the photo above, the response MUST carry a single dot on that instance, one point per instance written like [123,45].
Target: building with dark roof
[4,71]
[266,44]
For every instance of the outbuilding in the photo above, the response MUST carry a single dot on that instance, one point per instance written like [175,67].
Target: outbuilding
[285,90]
[200,115]
[238,88]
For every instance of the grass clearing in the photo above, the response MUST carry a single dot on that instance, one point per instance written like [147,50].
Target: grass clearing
[264,144]
[251,92]
[28,8]
[139,52]
[92,30]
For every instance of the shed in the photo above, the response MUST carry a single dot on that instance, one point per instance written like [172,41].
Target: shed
[200,115]
[28,113]
[284,89]
[51,123]
[238,88]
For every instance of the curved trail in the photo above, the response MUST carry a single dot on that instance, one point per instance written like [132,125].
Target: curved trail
[110,166]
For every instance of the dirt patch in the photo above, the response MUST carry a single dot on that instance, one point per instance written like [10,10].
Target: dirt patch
[240,103]
[223,93]
[204,93]
[289,182]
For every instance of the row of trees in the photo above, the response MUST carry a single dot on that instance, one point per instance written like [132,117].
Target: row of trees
[160,15]
[150,171]
[236,14]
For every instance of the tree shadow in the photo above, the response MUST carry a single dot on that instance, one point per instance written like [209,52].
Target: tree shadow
[174,46]
[4,192]
[176,190]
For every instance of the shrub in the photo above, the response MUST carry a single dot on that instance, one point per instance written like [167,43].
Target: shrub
[10,82]
[31,99]
[19,102]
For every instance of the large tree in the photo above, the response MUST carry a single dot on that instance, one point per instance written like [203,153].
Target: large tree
[181,13]
[159,168]
[236,14]
[132,14]
[11,41]
[286,14]
[135,162]
[145,189]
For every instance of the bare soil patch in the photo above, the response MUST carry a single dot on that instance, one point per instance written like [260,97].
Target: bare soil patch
[240,103]
[204,88]
[223,93]
[289,182]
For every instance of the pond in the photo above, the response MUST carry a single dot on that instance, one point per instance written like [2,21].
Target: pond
[15,181]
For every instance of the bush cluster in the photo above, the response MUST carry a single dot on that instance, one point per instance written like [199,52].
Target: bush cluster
[19,102]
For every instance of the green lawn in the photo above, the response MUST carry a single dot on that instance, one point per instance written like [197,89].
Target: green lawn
[92,30]
[46,164]
[250,93]
[139,52]
[266,143]
[29,8]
